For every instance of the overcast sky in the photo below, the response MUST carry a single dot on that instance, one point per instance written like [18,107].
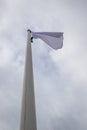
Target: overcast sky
[60,77]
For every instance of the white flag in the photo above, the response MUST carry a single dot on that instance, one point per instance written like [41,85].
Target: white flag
[53,39]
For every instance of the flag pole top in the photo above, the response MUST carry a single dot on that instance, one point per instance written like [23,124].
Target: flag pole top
[29,30]
[31,34]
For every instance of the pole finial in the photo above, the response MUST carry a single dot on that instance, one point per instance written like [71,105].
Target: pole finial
[29,30]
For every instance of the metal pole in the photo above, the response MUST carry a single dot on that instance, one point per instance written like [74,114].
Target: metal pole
[28,115]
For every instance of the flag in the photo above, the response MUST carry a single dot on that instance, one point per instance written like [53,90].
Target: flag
[53,39]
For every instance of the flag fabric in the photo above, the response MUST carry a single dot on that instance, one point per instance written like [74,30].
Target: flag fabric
[53,39]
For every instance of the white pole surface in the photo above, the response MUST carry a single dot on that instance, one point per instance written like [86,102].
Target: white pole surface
[28,116]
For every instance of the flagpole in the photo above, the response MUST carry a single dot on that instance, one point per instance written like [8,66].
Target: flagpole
[28,115]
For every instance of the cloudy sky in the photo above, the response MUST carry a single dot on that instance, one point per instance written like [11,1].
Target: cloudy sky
[60,77]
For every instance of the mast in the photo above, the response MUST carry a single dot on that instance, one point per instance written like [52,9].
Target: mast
[28,115]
